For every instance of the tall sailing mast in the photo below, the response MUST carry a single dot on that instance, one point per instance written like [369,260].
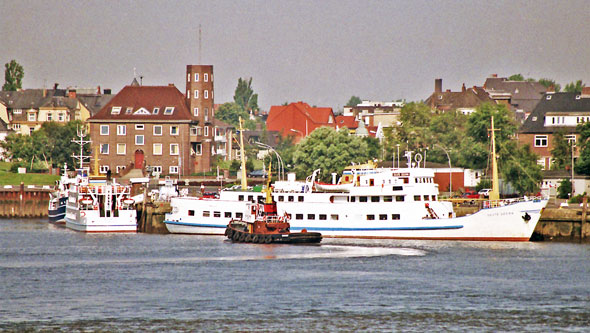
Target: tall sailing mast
[495,193]
[81,142]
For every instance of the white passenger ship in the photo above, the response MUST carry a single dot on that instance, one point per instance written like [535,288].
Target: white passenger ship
[367,202]
[97,204]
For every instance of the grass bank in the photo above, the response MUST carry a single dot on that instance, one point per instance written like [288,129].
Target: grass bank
[9,178]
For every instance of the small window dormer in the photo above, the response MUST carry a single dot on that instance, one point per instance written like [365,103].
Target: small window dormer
[156,110]
[116,110]
[169,110]
[129,110]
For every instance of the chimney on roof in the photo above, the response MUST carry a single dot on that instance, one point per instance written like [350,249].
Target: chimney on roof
[463,88]
[551,88]
[437,85]
[494,75]
[44,92]
[170,84]
[55,86]
[98,90]
[586,92]
[448,90]
[72,94]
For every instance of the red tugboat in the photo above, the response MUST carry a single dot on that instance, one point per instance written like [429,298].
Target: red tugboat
[263,225]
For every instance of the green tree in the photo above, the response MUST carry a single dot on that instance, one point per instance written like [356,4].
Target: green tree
[354,101]
[583,162]
[574,87]
[245,97]
[13,76]
[518,166]
[330,151]
[230,113]
[564,189]
[562,151]
[548,83]
[415,131]
[516,77]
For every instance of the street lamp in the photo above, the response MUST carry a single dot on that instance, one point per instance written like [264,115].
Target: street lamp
[450,173]
[281,164]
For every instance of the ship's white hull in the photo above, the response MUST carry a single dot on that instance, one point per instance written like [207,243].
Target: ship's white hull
[514,222]
[90,221]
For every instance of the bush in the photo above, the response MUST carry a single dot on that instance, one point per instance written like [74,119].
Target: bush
[577,199]
[564,189]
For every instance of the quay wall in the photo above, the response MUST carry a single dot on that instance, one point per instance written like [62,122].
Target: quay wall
[24,201]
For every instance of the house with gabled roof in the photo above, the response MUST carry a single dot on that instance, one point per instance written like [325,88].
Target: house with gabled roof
[27,110]
[464,101]
[298,119]
[561,111]
[519,96]
[158,128]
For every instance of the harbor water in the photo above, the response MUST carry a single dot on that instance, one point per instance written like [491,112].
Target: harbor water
[52,278]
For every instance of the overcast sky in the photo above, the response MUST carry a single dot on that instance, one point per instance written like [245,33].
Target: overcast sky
[320,52]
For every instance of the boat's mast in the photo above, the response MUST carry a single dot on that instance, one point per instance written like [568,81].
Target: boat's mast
[81,134]
[243,157]
[268,190]
[495,194]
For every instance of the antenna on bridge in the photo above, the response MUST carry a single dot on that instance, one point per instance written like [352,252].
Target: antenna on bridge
[199,44]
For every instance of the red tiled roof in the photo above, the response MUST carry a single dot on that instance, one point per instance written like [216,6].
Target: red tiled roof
[347,121]
[298,116]
[148,98]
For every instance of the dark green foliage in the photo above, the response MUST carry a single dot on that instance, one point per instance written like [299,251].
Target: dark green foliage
[518,166]
[561,152]
[583,162]
[330,151]
[548,83]
[564,189]
[245,97]
[516,77]
[354,101]
[574,87]
[13,76]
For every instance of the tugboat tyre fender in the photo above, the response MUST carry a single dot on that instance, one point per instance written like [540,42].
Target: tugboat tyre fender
[268,239]
[229,233]
[242,237]
[255,239]
[261,239]
[248,238]
[236,236]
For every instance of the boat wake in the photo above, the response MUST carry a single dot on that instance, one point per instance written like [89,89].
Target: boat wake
[269,253]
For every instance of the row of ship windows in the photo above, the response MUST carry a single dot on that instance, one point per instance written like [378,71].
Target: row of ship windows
[376,198]
[321,217]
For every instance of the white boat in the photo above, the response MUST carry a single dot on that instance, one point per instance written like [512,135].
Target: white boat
[56,209]
[399,203]
[97,204]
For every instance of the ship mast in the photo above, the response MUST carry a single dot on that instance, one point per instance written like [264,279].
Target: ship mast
[495,193]
[81,135]
[243,157]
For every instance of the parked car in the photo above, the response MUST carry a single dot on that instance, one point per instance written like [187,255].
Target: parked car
[485,192]
[257,174]
[471,195]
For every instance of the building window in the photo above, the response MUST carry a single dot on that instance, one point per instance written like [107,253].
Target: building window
[139,127]
[541,140]
[173,169]
[188,77]
[395,216]
[206,94]
[32,116]
[157,129]
[197,94]
[571,138]
[156,110]
[196,77]
[193,130]
[370,217]
[157,169]
[139,140]
[104,148]
[49,117]
[121,149]
[17,111]
[121,129]
[157,149]
[174,149]
[173,130]
[206,77]
[196,112]
[311,216]
[199,149]
[334,217]
[206,130]
[116,110]
[60,117]
[206,114]
[104,129]
[120,168]
[169,110]
[104,169]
